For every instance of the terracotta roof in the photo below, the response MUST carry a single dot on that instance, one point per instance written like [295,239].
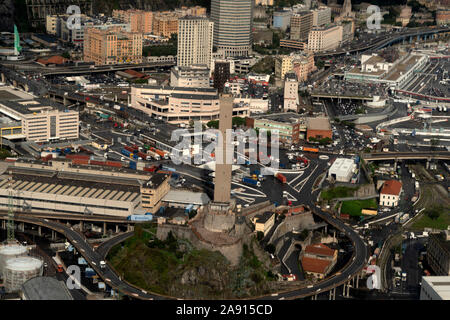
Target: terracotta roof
[319,249]
[136,74]
[315,265]
[392,187]
[53,60]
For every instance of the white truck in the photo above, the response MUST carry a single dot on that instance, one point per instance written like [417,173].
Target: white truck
[102,264]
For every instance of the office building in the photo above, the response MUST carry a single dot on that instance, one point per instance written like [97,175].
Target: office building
[195,41]
[289,132]
[153,191]
[438,253]
[321,16]
[180,105]
[301,63]
[324,38]
[112,46]
[41,121]
[435,288]
[264,222]
[221,74]
[193,76]
[232,26]
[301,25]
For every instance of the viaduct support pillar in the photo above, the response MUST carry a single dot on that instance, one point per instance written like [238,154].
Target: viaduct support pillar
[22,227]
[343,289]
[428,164]
[81,226]
[53,235]
[39,231]
[3,224]
[117,228]
[104,228]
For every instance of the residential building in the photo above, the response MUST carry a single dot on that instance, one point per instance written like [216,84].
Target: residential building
[348,26]
[180,105]
[303,65]
[288,131]
[232,26]
[293,44]
[193,76]
[390,193]
[443,16]
[405,15]
[112,46]
[318,128]
[324,38]
[282,19]
[438,252]
[283,65]
[221,74]
[139,20]
[435,288]
[41,121]
[318,260]
[195,41]
[52,24]
[321,16]
[291,100]
[342,169]
[153,191]
[264,222]
[165,23]
[263,2]
[301,25]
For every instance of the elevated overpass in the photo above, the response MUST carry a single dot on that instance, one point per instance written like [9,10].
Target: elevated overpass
[440,155]
[385,40]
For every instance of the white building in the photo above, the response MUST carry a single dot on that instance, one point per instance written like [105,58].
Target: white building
[195,41]
[291,100]
[390,193]
[435,288]
[342,169]
[325,38]
[194,76]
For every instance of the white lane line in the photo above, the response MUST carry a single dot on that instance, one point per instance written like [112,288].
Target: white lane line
[300,174]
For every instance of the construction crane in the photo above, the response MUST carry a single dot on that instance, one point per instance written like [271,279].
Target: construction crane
[10,224]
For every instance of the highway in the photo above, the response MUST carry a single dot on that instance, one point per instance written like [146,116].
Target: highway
[442,155]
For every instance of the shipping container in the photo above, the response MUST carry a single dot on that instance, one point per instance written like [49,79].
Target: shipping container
[150,169]
[77,156]
[253,182]
[116,164]
[125,152]
[315,150]
[96,163]
[132,165]
[80,161]
[139,217]
[281,177]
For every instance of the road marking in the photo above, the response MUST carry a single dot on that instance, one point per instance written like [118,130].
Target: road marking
[274,294]
[81,249]
[282,298]
[94,263]
[298,176]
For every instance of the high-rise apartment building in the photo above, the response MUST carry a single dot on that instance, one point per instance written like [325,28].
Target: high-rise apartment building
[232,26]
[112,45]
[195,41]
[301,25]
[221,74]
[139,20]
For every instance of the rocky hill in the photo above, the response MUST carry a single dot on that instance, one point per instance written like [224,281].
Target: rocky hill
[6,15]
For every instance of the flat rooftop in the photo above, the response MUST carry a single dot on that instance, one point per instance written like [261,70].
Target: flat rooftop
[440,284]
[402,67]
[319,123]
[9,94]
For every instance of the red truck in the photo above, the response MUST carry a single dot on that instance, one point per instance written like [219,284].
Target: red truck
[281,177]
[151,169]
[144,156]
[131,149]
[315,150]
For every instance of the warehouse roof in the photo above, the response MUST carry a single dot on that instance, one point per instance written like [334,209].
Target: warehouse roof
[315,265]
[342,165]
[45,288]
[319,249]
[186,197]
[319,123]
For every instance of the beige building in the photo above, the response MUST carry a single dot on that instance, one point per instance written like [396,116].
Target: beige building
[301,25]
[195,41]
[302,64]
[153,191]
[180,105]
[264,222]
[165,23]
[405,15]
[139,20]
[390,193]
[291,100]
[112,46]
[324,38]
[194,76]
[51,24]
[40,121]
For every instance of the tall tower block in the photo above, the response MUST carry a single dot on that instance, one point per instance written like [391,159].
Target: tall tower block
[222,181]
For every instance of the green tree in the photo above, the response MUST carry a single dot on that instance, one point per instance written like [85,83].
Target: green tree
[259,235]
[65,55]
[213,124]
[238,121]
[433,213]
